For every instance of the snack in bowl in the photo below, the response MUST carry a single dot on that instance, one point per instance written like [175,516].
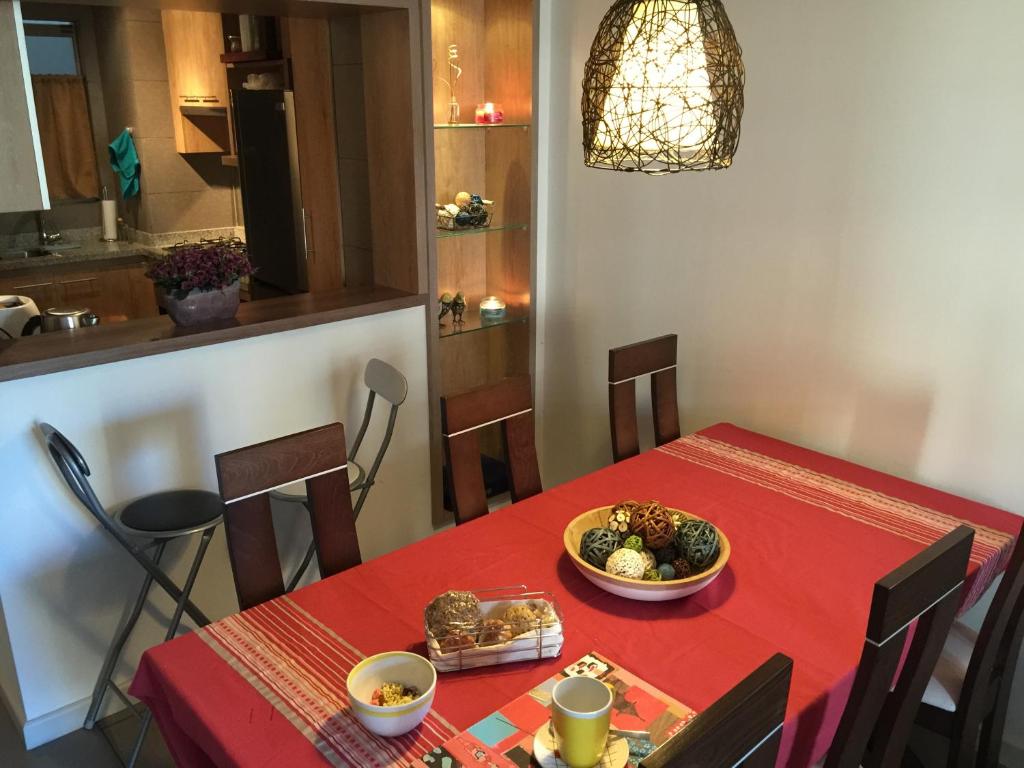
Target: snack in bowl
[396,676]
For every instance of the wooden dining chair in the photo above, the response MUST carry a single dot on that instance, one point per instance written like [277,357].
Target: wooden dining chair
[248,475]
[923,593]
[968,694]
[508,403]
[743,728]
[656,357]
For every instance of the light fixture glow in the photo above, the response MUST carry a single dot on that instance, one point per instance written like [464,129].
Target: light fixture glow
[663,88]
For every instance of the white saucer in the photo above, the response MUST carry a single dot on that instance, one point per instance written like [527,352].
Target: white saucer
[615,756]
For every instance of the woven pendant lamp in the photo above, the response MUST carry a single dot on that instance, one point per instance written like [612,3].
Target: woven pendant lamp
[663,88]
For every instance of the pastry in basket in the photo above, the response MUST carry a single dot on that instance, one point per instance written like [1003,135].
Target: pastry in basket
[452,613]
[456,642]
[494,632]
[520,618]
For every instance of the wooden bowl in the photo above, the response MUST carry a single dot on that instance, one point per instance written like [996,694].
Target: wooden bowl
[633,588]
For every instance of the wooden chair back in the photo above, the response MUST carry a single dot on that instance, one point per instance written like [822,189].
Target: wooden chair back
[985,695]
[656,357]
[924,593]
[744,727]
[508,403]
[246,477]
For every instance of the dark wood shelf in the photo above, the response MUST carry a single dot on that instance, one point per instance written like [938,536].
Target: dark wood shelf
[67,350]
[251,57]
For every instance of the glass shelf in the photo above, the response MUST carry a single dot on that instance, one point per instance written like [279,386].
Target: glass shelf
[470,126]
[472,321]
[444,233]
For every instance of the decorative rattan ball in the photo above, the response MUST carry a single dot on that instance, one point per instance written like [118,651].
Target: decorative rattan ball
[597,544]
[652,574]
[698,542]
[682,568]
[652,523]
[627,563]
[666,554]
[678,518]
[618,518]
[634,542]
[667,571]
[652,562]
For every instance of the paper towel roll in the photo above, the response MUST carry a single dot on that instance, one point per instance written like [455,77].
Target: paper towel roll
[109,219]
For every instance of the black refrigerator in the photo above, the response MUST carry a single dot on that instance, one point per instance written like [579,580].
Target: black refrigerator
[268,165]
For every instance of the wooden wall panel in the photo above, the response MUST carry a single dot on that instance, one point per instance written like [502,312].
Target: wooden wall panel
[509,45]
[462,266]
[394,215]
[309,45]
[460,22]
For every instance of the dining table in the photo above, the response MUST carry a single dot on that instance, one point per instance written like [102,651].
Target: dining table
[810,536]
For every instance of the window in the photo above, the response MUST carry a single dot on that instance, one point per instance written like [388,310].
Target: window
[52,48]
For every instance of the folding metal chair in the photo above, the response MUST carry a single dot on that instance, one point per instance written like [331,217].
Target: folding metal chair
[380,379]
[143,527]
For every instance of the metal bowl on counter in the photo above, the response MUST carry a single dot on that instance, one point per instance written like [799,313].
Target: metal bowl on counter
[61,319]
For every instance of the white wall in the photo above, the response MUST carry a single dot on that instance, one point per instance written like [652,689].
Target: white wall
[156,423]
[854,283]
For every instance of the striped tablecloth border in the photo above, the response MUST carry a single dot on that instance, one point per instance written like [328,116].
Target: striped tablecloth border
[991,550]
[300,666]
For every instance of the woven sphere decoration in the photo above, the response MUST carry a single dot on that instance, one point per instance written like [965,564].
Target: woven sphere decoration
[698,542]
[618,518]
[663,88]
[651,561]
[666,554]
[652,574]
[652,523]
[634,542]
[627,563]
[667,571]
[682,568]
[597,544]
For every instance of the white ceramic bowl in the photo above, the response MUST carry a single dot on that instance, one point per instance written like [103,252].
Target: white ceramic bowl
[392,667]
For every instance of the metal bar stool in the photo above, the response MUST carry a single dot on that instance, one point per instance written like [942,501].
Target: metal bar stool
[143,527]
[380,379]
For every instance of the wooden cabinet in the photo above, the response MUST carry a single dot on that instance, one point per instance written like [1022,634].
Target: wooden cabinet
[194,41]
[115,291]
[21,160]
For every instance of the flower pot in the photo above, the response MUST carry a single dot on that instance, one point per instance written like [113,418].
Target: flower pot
[198,307]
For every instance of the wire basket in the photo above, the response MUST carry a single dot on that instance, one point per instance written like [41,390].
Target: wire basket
[480,220]
[488,643]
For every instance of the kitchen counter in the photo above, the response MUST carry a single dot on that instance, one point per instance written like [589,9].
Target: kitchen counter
[85,253]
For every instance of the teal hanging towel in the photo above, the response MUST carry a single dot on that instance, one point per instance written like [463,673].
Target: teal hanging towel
[125,162]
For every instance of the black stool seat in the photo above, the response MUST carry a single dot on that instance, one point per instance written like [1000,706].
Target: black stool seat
[172,513]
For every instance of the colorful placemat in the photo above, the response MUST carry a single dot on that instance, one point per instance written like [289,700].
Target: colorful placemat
[504,739]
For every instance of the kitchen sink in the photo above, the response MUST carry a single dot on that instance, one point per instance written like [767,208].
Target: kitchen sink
[40,250]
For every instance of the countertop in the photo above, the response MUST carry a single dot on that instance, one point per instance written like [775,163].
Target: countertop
[86,252]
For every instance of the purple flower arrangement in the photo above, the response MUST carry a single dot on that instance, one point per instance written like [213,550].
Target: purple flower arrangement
[199,268]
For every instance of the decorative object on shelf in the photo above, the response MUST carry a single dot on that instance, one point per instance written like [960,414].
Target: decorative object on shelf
[652,523]
[454,73]
[495,626]
[445,303]
[467,212]
[627,563]
[663,88]
[597,545]
[492,307]
[697,541]
[199,283]
[458,307]
[590,539]
[489,113]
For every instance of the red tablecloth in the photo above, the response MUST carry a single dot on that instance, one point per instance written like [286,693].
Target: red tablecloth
[810,535]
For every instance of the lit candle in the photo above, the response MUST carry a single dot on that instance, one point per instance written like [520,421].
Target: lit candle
[489,113]
[492,306]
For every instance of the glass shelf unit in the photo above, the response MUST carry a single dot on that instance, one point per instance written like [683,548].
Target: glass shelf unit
[446,233]
[470,126]
[472,321]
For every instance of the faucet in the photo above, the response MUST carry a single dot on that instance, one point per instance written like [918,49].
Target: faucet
[47,238]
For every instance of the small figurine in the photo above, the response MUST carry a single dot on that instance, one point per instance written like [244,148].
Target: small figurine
[446,305]
[458,307]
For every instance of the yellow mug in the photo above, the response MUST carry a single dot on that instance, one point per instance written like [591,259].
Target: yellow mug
[581,713]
